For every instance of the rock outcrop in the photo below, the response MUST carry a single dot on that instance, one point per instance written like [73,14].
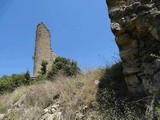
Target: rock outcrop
[136,26]
[43,49]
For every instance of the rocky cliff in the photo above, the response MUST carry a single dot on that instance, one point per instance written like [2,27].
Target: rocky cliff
[136,26]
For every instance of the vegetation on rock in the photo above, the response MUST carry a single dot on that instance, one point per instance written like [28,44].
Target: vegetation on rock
[44,67]
[9,83]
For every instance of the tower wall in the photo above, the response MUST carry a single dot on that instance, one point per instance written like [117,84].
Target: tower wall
[43,49]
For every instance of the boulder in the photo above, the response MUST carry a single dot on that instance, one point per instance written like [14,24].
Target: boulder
[132,81]
[2,116]
[129,54]
[131,70]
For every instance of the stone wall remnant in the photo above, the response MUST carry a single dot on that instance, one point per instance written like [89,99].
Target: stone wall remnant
[136,26]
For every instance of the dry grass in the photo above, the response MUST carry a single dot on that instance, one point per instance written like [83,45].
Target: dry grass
[82,87]
[75,93]
[33,99]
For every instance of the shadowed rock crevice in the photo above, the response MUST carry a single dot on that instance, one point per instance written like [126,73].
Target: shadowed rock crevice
[113,93]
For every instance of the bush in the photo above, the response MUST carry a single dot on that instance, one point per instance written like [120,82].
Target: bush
[44,67]
[9,83]
[6,84]
[27,75]
[63,66]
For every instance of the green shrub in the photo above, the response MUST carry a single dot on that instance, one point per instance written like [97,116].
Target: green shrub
[18,79]
[9,83]
[6,84]
[39,78]
[27,75]
[44,67]
[63,66]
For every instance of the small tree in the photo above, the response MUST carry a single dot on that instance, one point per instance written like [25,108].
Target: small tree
[63,66]
[44,67]
[27,77]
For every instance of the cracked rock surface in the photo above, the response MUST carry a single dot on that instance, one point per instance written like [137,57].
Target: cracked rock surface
[136,26]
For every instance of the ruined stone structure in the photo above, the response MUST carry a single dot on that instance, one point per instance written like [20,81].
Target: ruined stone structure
[136,26]
[43,49]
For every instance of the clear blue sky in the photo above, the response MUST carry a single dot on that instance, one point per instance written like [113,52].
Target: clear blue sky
[80,30]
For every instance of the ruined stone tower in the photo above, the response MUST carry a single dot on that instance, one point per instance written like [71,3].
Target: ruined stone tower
[43,49]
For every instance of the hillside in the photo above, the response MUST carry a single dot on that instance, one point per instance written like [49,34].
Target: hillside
[65,98]
[92,96]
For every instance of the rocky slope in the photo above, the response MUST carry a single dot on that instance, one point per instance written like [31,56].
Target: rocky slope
[62,99]
[136,26]
[96,95]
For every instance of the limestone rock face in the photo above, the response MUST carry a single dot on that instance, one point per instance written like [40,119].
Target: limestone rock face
[136,26]
[43,49]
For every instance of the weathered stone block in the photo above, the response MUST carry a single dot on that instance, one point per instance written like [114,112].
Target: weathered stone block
[123,39]
[129,65]
[155,34]
[130,54]
[149,71]
[117,29]
[116,11]
[132,64]
[131,70]
[132,81]
[136,91]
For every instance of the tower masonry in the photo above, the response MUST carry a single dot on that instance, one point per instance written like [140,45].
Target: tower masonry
[136,26]
[43,49]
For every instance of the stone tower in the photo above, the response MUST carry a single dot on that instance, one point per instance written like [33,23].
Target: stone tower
[43,49]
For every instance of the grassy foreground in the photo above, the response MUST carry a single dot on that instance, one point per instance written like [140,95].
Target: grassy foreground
[73,91]
[97,95]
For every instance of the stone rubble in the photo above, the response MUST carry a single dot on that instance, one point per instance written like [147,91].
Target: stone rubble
[52,112]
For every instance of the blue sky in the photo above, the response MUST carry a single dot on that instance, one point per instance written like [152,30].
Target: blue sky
[80,30]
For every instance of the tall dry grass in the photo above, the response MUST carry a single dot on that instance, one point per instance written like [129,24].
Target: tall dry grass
[74,94]
[28,102]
